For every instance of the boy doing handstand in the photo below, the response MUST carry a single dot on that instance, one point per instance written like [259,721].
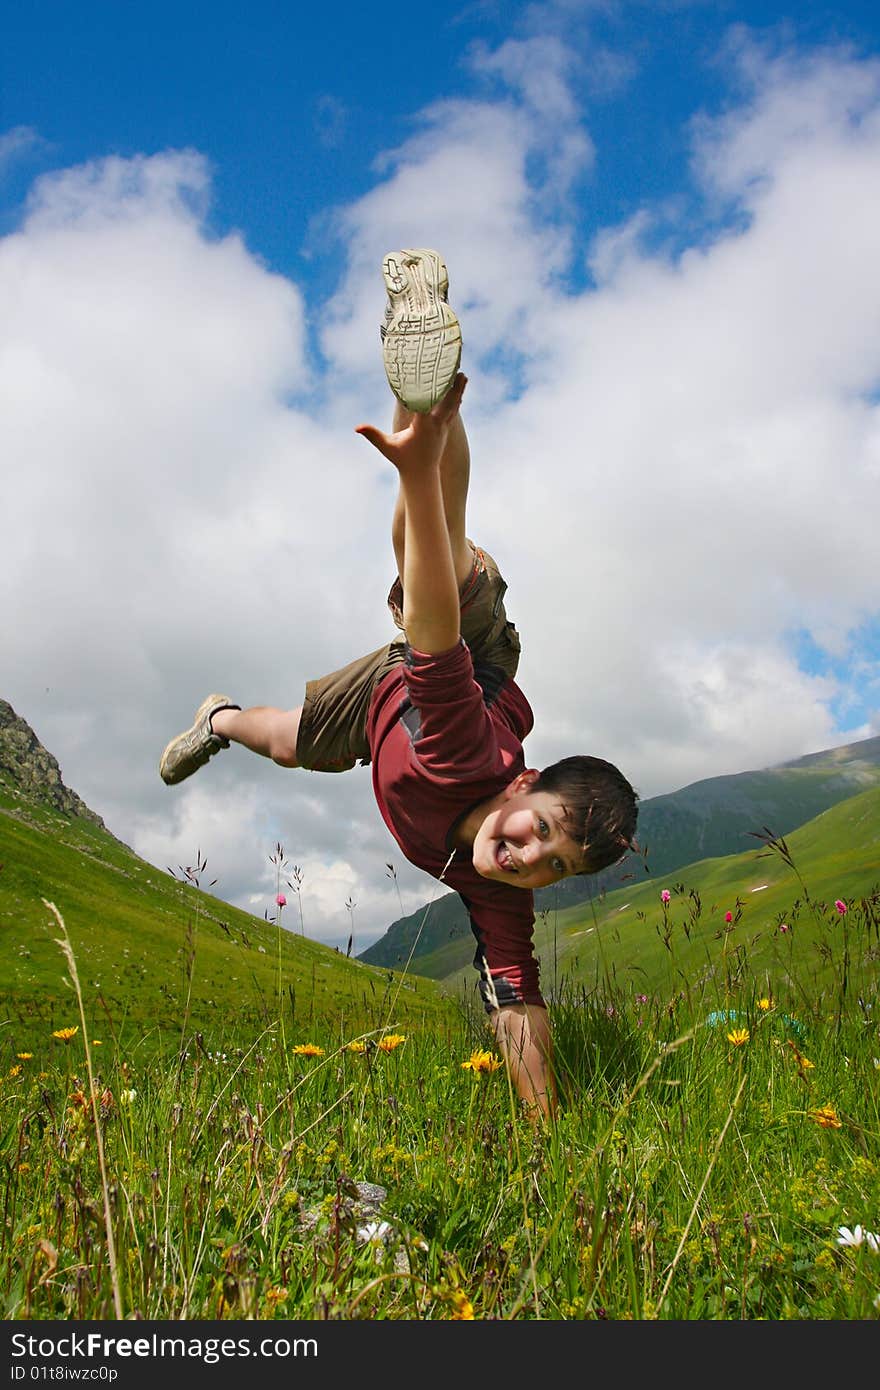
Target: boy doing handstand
[437,711]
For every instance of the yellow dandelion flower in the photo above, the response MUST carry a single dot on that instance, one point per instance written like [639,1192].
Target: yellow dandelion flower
[13,1071]
[826,1116]
[803,1062]
[739,1037]
[308,1050]
[65,1034]
[481,1061]
[97,1042]
[765,1003]
[390,1042]
[462,1308]
[24,1056]
[357,1046]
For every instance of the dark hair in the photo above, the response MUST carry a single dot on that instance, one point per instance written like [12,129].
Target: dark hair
[600,807]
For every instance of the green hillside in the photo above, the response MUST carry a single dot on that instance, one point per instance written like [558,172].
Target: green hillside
[629,938]
[705,819]
[144,940]
[158,956]
[715,816]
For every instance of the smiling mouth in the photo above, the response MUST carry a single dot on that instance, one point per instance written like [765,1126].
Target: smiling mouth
[504,859]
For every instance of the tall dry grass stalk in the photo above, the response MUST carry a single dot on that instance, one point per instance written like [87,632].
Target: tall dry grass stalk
[67,948]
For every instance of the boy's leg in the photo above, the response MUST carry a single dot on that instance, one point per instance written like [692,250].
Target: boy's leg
[328,731]
[421,351]
[493,641]
[455,470]
[217,722]
[270,732]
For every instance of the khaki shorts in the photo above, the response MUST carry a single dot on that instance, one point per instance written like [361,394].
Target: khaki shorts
[333,725]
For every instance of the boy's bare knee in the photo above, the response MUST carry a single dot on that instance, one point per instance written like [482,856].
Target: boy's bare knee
[284,757]
[283,738]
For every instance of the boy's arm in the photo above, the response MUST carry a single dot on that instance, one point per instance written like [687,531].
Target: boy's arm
[430,588]
[522,1032]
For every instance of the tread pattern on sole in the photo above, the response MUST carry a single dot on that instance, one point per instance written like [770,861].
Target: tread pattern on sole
[422,336]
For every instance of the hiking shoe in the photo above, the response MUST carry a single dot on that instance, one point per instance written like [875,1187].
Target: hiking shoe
[421,337]
[192,749]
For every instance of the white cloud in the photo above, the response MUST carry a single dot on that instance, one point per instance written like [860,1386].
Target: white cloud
[677,468]
[462,183]
[614,247]
[795,105]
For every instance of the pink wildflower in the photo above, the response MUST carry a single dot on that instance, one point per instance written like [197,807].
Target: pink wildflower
[728,916]
[280,900]
[840,905]
[784,927]
[665,895]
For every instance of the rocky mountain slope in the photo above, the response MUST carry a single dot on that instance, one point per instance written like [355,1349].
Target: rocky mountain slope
[29,771]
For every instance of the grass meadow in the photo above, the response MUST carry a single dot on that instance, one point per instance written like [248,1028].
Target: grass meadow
[716,1155]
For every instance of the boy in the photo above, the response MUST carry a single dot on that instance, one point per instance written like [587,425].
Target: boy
[437,711]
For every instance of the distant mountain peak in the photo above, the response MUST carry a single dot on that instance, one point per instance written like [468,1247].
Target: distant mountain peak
[31,770]
[864,753]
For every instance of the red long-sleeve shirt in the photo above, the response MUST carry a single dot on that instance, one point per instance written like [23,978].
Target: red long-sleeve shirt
[440,743]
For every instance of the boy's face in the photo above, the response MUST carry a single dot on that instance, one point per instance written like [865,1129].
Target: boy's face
[523,842]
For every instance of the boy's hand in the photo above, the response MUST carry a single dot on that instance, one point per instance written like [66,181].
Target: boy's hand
[420,445]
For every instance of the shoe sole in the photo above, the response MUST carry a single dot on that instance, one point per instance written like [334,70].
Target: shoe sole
[171,775]
[422,336]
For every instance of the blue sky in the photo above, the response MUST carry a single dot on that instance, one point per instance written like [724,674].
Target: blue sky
[661,223]
[293,112]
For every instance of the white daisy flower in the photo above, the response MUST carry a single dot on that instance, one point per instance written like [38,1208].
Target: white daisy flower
[374,1231]
[858,1236]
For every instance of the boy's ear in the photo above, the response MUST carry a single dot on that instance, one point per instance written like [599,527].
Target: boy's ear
[523,782]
